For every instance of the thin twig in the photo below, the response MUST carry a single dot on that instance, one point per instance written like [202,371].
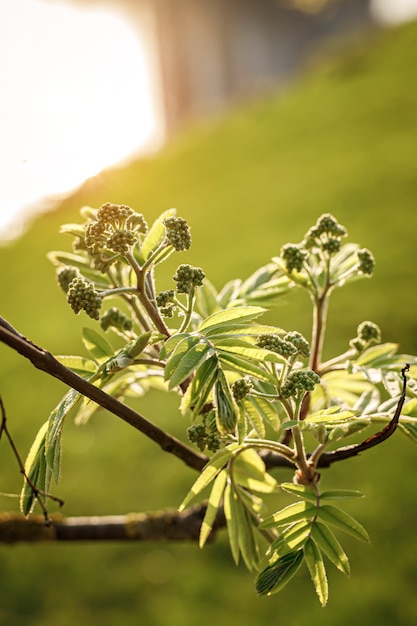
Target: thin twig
[46,362]
[37,493]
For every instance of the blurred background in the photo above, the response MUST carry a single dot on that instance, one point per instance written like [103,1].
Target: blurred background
[252,119]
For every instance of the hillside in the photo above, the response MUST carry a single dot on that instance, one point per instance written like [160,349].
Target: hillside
[341,139]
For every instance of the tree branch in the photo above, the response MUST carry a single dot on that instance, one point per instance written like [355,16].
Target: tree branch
[167,525]
[45,361]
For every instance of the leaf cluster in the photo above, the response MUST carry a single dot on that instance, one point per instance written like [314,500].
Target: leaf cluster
[247,388]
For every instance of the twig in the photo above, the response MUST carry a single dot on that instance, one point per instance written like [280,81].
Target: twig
[166,525]
[46,362]
[37,493]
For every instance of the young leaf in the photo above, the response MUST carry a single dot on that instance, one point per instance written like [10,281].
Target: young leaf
[190,362]
[180,350]
[240,314]
[212,506]
[155,235]
[78,364]
[244,366]
[230,512]
[97,345]
[301,491]
[335,516]
[249,471]
[325,538]
[330,415]
[54,432]
[206,299]
[35,468]
[246,536]
[291,513]
[291,538]
[341,494]
[209,473]
[317,570]
[274,577]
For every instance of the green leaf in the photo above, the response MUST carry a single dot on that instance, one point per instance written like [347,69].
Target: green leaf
[180,350]
[227,410]
[291,538]
[301,491]
[97,345]
[274,577]
[190,362]
[325,538]
[231,513]
[372,356]
[78,364]
[341,519]
[291,513]
[35,468]
[155,235]
[199,390]
[246,536]
[330,415]
[341,494]
[243,366]
[240,314]
[209,473]
[317,570]
[206,299]
[212,506]
[266,409]
[170,345]
[249,471]
[54,432]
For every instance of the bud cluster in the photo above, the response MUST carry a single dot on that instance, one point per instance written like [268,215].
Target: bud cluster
[82,295]
[241,388]
[204,438]
[65,275]
[288,345]
[165,301]
[326,234]
[115,230]
[366,261]
[115,318]
[369,334]
[294,256]
[177,233]
[188,277]
[299,382]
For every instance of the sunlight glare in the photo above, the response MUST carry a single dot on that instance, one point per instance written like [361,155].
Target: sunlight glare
[77,97]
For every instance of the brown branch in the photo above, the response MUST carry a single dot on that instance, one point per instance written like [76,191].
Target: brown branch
[45,361]
[167,525]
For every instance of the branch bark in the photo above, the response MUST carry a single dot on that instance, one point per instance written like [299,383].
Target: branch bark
[169,525]
[45,361]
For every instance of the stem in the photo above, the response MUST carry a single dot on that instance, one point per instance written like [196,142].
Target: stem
[320,308]
[44,361]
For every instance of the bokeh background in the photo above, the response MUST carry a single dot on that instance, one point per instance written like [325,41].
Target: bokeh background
[250,169]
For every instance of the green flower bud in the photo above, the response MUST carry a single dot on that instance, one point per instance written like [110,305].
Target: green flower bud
[177,233]
[188,277]
[114,214]
[294,256]
[299,382]
[241,388]
[115,318]
[65,275]
[299,342]
[82,295]
[276,344]
[366,261]
[121,241]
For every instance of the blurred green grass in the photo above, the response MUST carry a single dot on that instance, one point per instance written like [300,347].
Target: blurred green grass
[341,139]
